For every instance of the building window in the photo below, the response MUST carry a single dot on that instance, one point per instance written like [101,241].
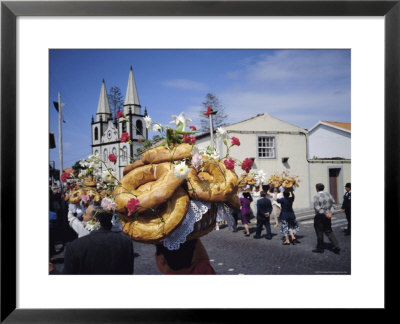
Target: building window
[105,155]
[96,152]
[139,127]
[96,134]
[124,154]
[266,147]
[124,127]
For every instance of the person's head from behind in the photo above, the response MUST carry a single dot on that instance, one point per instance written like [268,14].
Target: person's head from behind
[105,218]
[319,187]
[90,211]
[246,195]
[286,194]
[263,194]
[174,260]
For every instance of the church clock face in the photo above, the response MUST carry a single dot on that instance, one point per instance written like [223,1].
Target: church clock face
[109,134]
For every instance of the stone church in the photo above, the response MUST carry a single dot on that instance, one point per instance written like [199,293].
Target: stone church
[106,131]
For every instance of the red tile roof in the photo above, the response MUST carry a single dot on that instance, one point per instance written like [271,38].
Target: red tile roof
[346,126]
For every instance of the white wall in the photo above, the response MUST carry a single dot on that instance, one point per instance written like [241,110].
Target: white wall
[328,142]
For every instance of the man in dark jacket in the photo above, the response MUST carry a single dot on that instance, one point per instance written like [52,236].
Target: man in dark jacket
[346,207]
[100,252]
[264,209]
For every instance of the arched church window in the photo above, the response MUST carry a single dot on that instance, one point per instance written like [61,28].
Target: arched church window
[124,154]
[114,151]
[105,155]
[96,134]
[96,152]
[124,127]
[139,127]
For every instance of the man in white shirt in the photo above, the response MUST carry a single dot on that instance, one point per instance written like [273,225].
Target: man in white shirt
[323,206]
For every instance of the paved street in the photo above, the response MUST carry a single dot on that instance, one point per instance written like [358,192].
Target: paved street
[235,254]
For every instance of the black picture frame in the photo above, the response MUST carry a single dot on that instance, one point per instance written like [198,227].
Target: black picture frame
[10,10]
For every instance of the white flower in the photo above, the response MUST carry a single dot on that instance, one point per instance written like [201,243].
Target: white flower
[108,176]
[148,121]
[260,177]
[157,127]
[83,163]
[181,170]
[82,173]
[215,154]
[94,158]
[108,204]
[197,160]
[221,133]
[180,119]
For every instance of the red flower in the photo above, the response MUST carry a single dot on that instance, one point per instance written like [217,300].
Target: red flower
[247,164]
[208,111]
[132,205]
[139,140]
[112,158]
[193,128]
[120,114]
[229,164]
[125,137]
[235,141]
[65,176]
[186,138]
[189,139]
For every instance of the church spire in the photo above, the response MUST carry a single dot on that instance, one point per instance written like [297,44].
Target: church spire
[131,97]
[103,108]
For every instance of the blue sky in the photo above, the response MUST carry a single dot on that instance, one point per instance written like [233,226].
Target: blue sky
[301,87]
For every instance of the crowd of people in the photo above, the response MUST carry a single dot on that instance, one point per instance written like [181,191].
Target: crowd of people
[100,247]
[268,202]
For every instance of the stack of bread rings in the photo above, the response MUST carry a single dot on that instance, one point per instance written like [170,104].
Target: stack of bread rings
[74,196]
[163,197]
[282,181]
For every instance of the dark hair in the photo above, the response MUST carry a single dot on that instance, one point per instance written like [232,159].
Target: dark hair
[319,187]
[263,193]
[178,259]
[246,195]
[104,218]
[286,194]
[266,187]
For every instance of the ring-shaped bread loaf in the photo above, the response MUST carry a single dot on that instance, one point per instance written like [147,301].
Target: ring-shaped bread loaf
[162,185]
[164,154]
[153,227]
[213,183]
[75,195]
[132,166]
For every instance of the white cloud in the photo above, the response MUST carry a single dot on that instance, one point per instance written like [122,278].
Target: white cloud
[297,86]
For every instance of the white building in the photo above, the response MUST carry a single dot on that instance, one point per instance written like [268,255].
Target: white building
[330,156]
[106,133]
[275,146]
[329,139]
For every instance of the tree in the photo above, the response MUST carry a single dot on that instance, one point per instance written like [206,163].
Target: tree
[218,119]
[116,101]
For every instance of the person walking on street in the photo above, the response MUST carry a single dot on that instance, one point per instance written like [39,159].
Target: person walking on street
[289,226]
[245,202]
[276,207]
[323,206]
[346,207]
[264,209]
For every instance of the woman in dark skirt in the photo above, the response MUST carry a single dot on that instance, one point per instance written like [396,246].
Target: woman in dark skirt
[289,226]
[245,202]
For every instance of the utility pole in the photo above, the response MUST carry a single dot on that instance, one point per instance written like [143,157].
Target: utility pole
[60,139]
[211,131]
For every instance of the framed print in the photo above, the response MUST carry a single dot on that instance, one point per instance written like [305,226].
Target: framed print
[234,22]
